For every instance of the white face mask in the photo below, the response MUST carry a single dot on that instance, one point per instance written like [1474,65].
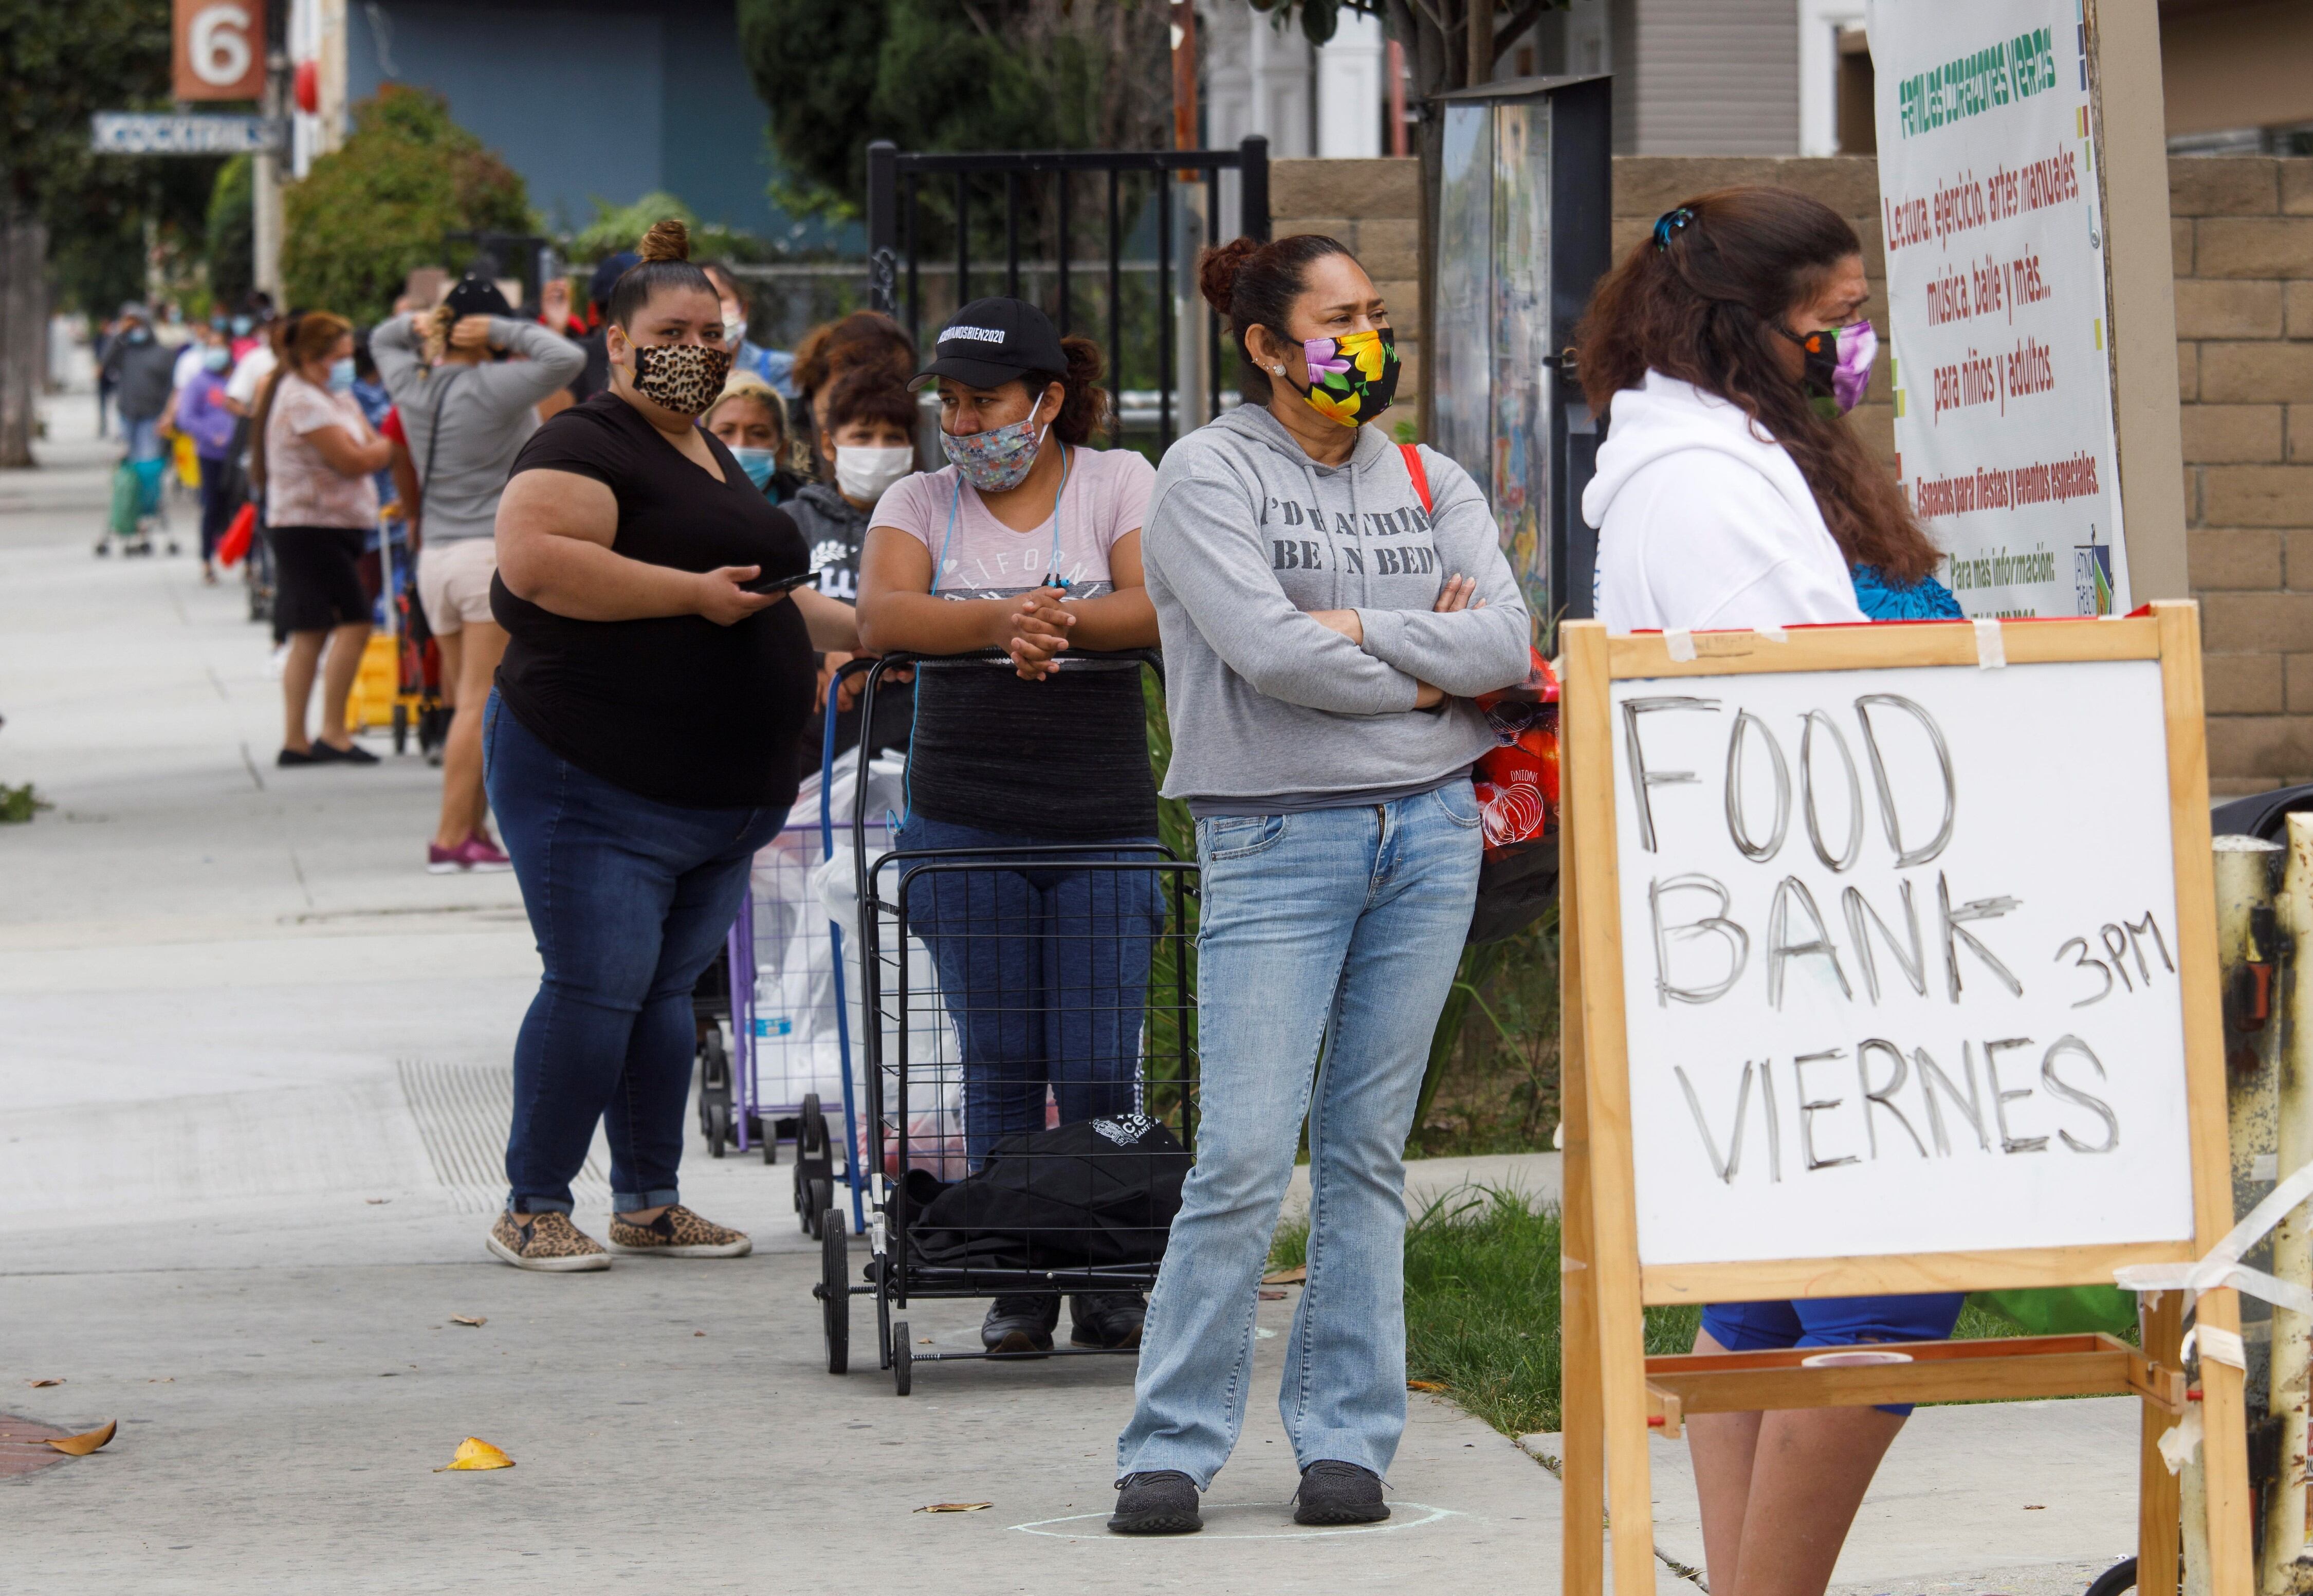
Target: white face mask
[735,330]
[863,475]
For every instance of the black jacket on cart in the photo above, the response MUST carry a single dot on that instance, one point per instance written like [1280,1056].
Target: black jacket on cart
[1099,1192]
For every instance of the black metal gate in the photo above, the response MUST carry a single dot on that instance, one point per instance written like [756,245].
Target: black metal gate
[918,201]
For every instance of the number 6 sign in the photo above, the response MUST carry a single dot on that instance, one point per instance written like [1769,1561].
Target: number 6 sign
[220,49]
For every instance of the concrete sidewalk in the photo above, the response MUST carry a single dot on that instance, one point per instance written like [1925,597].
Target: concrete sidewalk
[252,1067]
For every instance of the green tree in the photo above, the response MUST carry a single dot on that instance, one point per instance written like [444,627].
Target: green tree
[950,75]
[232,228]
[387,201]
[62,208]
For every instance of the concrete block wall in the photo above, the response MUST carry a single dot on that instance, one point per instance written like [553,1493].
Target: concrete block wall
[2242,248]
[2242,237]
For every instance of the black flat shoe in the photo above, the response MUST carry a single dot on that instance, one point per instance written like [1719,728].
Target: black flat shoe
[1337,1492]
[1020,1326]
[289,757]
[1160,1503]
[351,753]
[1111,1320]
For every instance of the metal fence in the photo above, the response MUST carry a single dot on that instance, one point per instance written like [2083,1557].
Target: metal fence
[942,228]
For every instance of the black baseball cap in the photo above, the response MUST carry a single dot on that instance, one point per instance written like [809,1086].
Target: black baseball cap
[477,297]
[991,341]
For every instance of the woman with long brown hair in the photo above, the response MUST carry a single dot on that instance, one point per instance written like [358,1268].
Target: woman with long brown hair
[1724,352]
[313,456]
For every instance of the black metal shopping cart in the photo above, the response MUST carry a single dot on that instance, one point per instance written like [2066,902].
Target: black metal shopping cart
[1027,1038]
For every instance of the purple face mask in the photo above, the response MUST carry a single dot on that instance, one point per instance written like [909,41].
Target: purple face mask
[1838,365]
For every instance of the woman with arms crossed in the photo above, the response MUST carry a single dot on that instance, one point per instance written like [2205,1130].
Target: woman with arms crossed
[640,746]
[1319,647]
[1731,492]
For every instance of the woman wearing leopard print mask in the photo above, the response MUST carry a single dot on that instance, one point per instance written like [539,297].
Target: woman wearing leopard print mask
[639,747]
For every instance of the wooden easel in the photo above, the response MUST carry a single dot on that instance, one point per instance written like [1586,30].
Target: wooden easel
[1615,1395]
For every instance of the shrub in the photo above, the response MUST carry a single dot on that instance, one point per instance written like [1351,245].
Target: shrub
[365,216]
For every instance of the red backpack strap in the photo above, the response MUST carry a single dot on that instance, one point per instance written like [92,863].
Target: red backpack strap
[1413,467]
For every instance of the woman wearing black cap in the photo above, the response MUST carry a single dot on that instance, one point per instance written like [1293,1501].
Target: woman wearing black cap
[1027,543]
[467,377]
[640,746]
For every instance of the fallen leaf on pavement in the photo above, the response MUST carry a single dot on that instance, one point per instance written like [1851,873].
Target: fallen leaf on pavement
[699,1332]
[1425,1385]
[1296,1275]
[81,1445]
[376,1201]
[36,1384]
[165,1380]
[474,1319]
[1272,1296]
[955,1507]
[2036,1507]
[474,1452]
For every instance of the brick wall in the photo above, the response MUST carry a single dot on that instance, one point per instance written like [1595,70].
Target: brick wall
[2242,234]
[2243,255]
[1374,207]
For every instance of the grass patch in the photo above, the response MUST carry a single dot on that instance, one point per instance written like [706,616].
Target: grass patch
[1481,1306]
[20,804]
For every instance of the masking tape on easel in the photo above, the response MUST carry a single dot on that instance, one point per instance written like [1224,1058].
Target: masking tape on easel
[2221,1265]
[2217,1346]
[1774,634]
[1680,642]
[1991,648]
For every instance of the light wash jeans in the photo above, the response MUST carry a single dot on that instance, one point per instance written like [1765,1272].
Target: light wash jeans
[1335,930]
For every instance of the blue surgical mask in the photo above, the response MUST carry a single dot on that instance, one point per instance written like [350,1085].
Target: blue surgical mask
[217,359]
[241,326]
[140,335]
[341,376]
[758,463]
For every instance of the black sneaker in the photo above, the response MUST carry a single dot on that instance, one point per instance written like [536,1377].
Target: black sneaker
[1335,1493]
[1160,1503]
[1107,1319]
[1021,1325]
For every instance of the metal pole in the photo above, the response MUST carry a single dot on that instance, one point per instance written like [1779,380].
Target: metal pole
[1252,187]
[2292,1241]
[265,175]
[883,226]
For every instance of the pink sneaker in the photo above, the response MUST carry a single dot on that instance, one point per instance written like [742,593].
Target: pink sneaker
[445,861]
[479,854]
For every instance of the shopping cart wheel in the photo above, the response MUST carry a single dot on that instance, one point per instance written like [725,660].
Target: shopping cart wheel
[714,1091]
[903,1373]
[718,1128]
[835,1292]
[400,728]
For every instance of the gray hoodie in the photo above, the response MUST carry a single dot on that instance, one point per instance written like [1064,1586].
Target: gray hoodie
[1246,533]
[486,417]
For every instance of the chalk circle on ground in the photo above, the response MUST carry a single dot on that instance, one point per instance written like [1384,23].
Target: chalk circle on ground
[1853,1359]
[1402,1515]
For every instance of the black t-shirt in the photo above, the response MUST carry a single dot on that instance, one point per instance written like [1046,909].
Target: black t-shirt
[1066,758]
[676,709]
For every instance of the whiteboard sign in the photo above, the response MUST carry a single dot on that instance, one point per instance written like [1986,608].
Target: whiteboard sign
[1900,961]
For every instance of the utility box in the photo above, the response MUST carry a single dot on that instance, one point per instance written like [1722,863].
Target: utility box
[1522,227]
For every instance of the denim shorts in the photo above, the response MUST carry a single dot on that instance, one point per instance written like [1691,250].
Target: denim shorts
[1833,1321]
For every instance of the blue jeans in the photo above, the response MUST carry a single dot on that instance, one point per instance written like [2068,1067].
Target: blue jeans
[1329,934]
[1044,971]
[629,899]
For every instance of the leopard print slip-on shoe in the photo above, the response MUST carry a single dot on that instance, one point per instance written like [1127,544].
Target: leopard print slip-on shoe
[679,1233]
[549,1241]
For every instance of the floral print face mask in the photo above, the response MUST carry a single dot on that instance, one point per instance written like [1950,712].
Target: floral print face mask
[999,460]
[1351,378]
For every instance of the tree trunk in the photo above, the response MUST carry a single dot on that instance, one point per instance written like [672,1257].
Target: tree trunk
[23,254]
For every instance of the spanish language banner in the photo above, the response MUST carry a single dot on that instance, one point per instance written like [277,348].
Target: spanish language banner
[1996,308]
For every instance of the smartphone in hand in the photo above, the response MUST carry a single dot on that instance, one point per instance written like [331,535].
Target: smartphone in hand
[780,584]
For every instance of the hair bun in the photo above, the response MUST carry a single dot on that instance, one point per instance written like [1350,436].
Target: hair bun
[667,239]
[1216,271]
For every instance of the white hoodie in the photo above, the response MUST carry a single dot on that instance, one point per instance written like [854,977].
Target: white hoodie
[1704,523]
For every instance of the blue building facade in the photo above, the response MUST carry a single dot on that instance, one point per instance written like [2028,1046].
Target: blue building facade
[593,100]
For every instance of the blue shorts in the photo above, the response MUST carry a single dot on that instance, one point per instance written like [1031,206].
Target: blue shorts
[1832,1322]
